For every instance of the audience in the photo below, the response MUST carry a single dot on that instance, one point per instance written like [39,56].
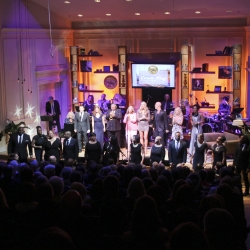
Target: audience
[52,206]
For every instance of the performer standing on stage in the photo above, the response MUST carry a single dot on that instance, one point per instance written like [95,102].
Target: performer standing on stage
[38,143]
[160,122]
[197,121]
[158,151]
[113,117]
[136,152]
[53,108]
[131,125]
[18,143]
[177,123]
[103,104]
[167,105]
[82,127]
[98,125]
[143,118]
[200,152]
[241,160]
[219,151]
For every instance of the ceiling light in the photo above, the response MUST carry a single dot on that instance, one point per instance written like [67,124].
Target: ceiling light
[167,13]
[66,2]
[128,0]
[197,12]
[80,15]
[108,14]
[137,14]
[97,1]
[229,11]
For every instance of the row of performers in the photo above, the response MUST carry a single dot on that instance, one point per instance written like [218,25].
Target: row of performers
[50,149]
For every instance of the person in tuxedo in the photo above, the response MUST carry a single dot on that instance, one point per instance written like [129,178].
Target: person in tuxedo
[241,160]
[177,152]
[167,105]
[160,125]
[81,126]
[113,117]
[70,147]
[18,144]
[53,108]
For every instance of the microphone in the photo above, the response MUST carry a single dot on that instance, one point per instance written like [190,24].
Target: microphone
[149,96]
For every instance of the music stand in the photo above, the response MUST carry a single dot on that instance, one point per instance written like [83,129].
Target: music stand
[47,118]
[236,113]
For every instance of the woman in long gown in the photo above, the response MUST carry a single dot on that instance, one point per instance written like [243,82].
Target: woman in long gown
[143,118]
[93,150]
[53,146]
[136,151]
[158,151]
[98,124]
[200,152]
[177,122]
[197,121]
[38,143]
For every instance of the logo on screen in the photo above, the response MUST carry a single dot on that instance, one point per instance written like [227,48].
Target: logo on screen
[152,69]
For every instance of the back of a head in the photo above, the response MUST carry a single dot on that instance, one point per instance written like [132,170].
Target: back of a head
[66,171]
[49,171]
[136,188]
[116,174]
[187,236]
[34,165]
[53,239]
[203,174]
[80,188]
[26,174]
[184,196]
[110,186]
[105,170]
[158,194]
[27,192]
[72,202]
[45,192]
[219,228]
[75,176]
[57,184]
[40,180]
[153,173]
[145,216]
[162,181]
[93,168]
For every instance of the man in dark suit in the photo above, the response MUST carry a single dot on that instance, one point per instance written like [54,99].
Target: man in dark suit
[53,108]
[160,125]
[113,117]
[70,147]
[18,144]
[81,126]
[177,152]
[167,105]
[242,160]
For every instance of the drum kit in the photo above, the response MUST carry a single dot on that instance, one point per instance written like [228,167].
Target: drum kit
[216,123]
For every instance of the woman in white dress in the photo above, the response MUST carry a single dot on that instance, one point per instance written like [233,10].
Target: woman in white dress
[197,121]
[177,122]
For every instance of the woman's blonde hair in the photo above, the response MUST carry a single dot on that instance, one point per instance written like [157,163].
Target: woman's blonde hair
[128,109]
[146,109]
[178,108]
